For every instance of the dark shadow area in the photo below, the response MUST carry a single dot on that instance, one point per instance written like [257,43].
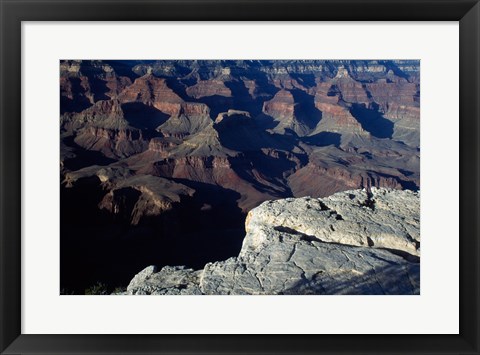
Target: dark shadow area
[305,109]
[271,169]
[143,117]
[211,226]
[99,246]
[396,70]
[323,139]
[262,81]
[214,203]
[301,236]
[372,121]
[216,103]
[406,172]
[369,94]
[84,157]
[307,80]
[416,98]
[124,200]
[334,91]
[406,184]
[394,279]
[409,185]
[367,155]
[242,100]
[403,254]
[242,134]
[188,81]
[124,67]
[266,122]
[369,202]
[98,88]
[77,105]
[79,102]
[179,88]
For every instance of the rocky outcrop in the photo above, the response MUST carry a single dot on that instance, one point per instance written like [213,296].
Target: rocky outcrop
[183,118]
[293,111]
[152,91]
[314,180]
[84,82]
[140,197]
[281,106]
[215,170]
[353,242]
[191,118]
[112,143]
[399,100]
[103,127]
[131,198]
[232,115]
[104,113]
[208,88]
[172,280]
[335,114]
[351,90]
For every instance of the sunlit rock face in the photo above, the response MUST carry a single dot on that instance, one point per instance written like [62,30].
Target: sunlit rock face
[353,242]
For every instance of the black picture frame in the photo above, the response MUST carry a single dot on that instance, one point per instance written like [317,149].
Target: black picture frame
[13,12]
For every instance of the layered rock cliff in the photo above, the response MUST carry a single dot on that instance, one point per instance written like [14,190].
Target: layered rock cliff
[353,242]
[311,111]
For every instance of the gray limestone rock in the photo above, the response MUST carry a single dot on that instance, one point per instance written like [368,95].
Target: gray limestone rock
[353,242]
[169,280]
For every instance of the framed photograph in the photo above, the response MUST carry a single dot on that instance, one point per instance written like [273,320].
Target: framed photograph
[239,177]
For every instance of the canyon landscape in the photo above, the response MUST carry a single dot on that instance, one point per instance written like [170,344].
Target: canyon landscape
[239,177]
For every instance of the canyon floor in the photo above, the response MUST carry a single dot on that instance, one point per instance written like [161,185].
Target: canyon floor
[161,161]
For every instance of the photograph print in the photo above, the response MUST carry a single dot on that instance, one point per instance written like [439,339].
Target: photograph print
[240,177]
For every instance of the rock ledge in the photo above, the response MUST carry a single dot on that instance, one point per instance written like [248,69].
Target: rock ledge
[353,242]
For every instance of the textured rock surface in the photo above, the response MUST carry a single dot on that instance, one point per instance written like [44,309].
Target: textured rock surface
[170,281]
[353,242]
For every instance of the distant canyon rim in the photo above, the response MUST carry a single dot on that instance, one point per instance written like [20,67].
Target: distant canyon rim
[161,160]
